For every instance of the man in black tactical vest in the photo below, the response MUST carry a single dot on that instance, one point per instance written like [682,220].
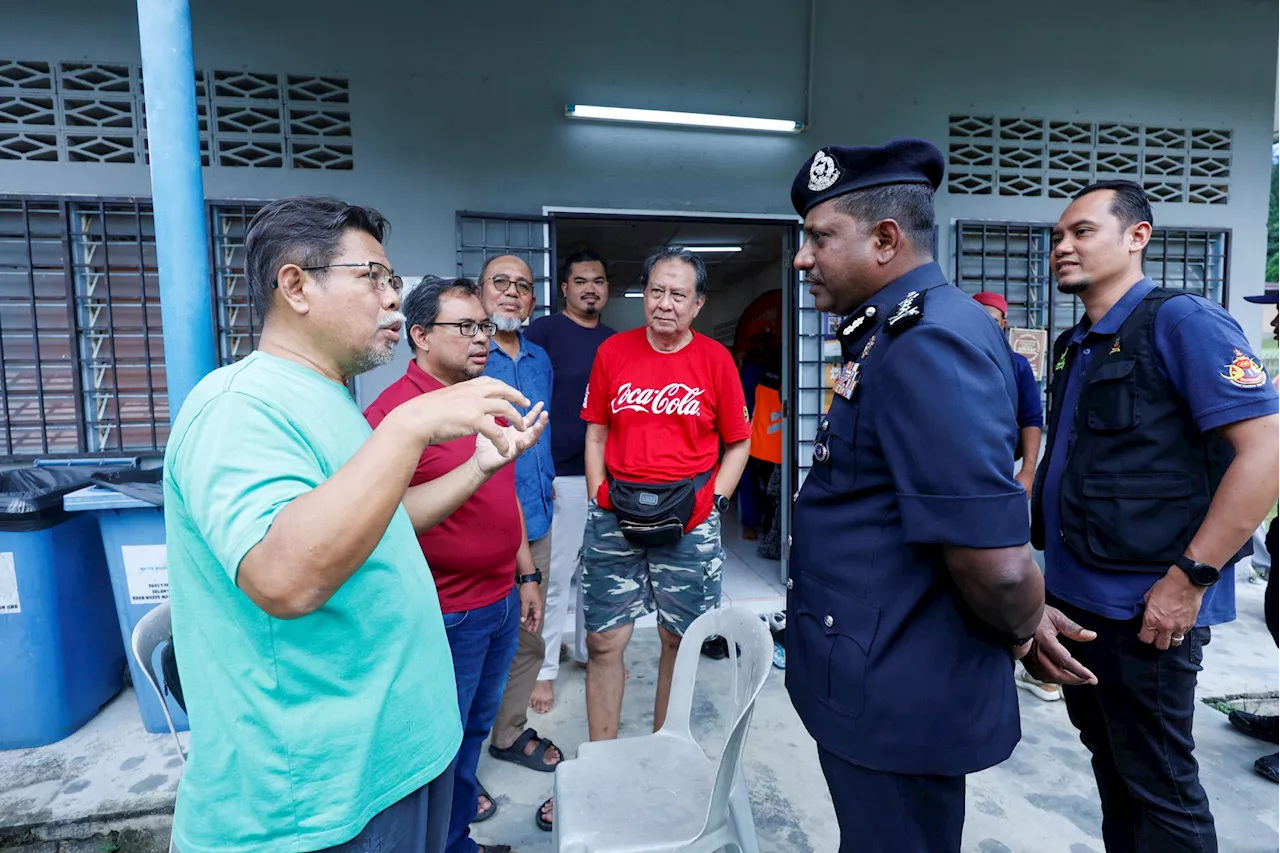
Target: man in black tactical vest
[1161,460]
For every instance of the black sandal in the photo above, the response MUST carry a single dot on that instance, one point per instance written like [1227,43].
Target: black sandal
[534,760]
[543,824]
[481,817]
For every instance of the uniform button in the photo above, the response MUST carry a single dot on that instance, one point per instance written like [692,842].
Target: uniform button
[828,621]
[824,424]
[1087,351]
[791,583]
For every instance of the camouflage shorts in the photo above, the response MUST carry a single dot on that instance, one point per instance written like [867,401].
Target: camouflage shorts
[622,582]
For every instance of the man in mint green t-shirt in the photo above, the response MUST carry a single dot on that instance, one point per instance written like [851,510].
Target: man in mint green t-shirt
[312,653]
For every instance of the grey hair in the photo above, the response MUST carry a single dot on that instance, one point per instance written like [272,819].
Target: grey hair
[678,253]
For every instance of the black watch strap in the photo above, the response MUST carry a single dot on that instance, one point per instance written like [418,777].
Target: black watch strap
[1201,574]
[536,577]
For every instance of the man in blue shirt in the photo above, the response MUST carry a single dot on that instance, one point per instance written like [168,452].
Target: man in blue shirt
[1161,460]
[506,291]
[571,338]
[1030,411]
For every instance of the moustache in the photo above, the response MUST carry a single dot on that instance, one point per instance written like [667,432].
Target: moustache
[391,319]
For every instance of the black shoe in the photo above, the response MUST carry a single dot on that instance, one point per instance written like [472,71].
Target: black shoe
[1269,766]
[1256,726]
[716,648]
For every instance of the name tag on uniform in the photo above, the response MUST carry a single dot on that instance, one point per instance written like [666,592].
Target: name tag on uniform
[847,382]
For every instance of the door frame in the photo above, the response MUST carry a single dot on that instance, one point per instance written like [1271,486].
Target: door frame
[790,313]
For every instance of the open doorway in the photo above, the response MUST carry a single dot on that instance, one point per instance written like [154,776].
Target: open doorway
[748,308]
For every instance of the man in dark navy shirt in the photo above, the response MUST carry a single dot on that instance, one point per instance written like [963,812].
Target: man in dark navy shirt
[909,550]
[1161,460]
[1030,411]
[571,338]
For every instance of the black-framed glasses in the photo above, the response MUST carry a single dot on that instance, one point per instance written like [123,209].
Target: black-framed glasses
[503,282]
[468,328]
[380,275]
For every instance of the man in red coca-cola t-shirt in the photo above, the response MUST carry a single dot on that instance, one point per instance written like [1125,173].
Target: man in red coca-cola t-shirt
[661,402]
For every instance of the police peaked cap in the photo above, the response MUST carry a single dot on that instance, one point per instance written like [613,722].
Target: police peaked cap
[839,169]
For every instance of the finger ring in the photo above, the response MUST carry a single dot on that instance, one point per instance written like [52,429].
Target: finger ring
[1176,639]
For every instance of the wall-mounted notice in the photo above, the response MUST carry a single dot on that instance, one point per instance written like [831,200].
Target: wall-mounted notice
[147,570]
[9,602]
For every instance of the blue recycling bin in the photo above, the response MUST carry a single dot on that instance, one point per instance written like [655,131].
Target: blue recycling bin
[134,541]
[61,657]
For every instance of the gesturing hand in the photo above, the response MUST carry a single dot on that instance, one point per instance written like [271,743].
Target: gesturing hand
[1048,660]
[467,408]
[518,439]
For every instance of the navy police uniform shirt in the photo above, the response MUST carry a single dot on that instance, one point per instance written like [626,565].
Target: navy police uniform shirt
[886,665]
[1197,342]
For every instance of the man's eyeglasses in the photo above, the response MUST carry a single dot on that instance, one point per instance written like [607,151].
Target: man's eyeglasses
[468,328]
[380,276]
[503,283]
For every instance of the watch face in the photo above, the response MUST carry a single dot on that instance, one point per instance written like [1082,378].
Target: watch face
[1204,575]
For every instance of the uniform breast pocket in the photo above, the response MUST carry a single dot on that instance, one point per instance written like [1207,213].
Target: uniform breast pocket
[834,457]
[831,644]
[1113,397]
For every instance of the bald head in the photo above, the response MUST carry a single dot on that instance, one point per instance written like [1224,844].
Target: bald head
[507,291]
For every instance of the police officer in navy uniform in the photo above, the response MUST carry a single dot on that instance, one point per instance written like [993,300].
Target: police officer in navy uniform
[911,577]
[1161,460]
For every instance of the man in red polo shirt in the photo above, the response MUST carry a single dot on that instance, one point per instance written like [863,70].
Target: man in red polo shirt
[477,547]
[661,401]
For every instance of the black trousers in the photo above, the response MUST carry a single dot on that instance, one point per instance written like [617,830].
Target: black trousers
[894,813]
[1136,722]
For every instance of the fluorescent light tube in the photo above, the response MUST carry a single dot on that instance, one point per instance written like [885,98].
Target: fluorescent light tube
[767,125]
[634,294]
[714,249]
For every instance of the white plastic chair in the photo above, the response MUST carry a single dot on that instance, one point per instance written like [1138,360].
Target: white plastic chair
[661,792]
[153,629]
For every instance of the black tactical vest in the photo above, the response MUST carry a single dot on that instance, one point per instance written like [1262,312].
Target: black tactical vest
[1139,475]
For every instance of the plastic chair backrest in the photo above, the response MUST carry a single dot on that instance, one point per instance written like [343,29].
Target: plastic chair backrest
[152,630]
[737,627]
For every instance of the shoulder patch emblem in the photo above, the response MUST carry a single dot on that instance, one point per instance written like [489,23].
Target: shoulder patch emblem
[907,313]
[1244,371]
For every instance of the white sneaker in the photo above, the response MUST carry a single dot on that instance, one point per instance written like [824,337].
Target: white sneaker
[1025,681]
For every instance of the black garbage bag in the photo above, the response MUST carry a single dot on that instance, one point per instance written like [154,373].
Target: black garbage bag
[31,498]
[142,485]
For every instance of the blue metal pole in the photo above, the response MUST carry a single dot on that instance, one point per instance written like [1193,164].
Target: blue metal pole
[177,190]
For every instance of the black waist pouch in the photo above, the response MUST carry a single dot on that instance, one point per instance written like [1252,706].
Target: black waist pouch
[654,514]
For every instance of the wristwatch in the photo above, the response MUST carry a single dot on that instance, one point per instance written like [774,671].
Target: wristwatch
[536,577]
[721,504]
[1201,574]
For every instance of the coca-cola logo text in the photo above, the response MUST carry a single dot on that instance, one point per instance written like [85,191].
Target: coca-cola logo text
[675,399]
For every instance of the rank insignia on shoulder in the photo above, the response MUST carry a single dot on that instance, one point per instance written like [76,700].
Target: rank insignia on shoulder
[856,321]
[907,313]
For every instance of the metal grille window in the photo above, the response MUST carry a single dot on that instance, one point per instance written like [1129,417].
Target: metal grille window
[117,307]
[1012,259]
[39,400]
[234,310]
[482,236]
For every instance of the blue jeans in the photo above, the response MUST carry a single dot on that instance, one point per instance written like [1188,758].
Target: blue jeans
[415,824]
[483,643]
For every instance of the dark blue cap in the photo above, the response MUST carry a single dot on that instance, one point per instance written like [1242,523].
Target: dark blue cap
[838,169]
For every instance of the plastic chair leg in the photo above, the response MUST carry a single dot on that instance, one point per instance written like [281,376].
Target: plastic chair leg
[740,815]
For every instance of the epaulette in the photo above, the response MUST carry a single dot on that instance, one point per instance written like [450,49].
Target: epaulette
[907,313]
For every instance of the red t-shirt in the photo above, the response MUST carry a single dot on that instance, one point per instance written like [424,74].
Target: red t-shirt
[666,412]
[472,553]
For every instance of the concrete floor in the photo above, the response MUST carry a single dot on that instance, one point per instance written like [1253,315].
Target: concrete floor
[113,775]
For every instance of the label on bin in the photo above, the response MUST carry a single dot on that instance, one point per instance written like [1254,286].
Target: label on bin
[9,602]
[147,570]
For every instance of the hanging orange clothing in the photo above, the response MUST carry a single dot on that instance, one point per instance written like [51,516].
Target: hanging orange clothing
[766,425]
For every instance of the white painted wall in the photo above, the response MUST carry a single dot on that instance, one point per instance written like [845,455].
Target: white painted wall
[459,106]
